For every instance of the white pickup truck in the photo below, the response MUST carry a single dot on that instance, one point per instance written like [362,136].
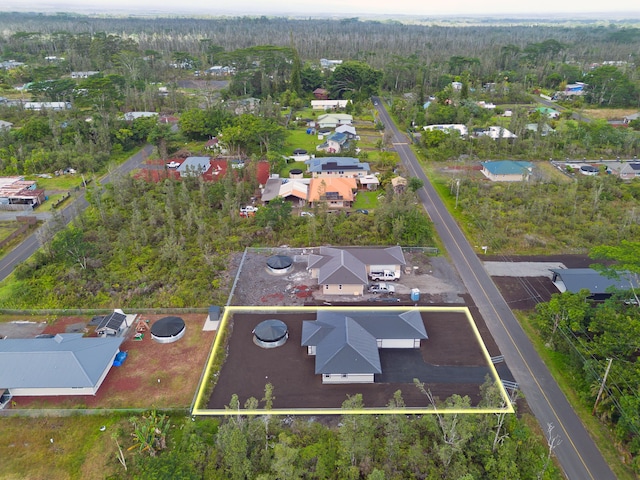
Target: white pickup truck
[382,288]
[385,275]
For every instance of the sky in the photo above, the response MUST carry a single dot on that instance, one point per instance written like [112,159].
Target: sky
[620,9]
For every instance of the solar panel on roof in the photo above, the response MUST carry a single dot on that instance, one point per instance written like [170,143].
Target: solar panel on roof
[113,321]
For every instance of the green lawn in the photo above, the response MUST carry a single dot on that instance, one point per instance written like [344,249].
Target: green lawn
[299,138]
[367,200]
[7,228]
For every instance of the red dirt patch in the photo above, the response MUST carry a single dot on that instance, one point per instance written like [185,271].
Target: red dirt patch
[135,384]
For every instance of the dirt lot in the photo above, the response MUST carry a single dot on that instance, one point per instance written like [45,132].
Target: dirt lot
[154,374]
[436,279]
[290,370]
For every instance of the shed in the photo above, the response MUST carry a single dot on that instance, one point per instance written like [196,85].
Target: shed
[114,324]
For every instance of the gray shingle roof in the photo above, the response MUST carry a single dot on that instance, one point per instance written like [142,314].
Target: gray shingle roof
[346,341]
[349,265]
[64,361]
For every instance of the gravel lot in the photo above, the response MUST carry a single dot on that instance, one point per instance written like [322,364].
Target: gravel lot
[435,277]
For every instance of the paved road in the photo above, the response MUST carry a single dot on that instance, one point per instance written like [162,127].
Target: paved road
[32,242]
[579,457]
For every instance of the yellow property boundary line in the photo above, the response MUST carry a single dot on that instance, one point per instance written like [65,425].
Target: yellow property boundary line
[230,311]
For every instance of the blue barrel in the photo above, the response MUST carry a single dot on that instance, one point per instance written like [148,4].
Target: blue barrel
[415,294]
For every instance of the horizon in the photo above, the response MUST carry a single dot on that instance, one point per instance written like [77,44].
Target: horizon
[623,10]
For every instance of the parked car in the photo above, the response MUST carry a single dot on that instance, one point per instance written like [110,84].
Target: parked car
[306,214]
[363,211]
[382,288]
[386,275]
[173,164]
[248,209]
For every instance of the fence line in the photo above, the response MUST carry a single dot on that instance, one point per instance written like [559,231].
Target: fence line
[70,412]
[101,311]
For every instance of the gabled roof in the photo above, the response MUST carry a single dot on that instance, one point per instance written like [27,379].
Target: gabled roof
[346,129]
[279,187]
[346,342]
[339,267]
[576,279]
[343,266]
[345,347]
[65,361]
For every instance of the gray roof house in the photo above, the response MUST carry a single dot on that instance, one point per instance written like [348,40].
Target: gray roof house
[344,271]
[576,279]
[346,344]
[194,166]
[337,167]
[67,364]
[630,170]
[4,125]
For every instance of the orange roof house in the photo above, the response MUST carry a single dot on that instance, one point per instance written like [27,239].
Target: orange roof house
[334,192]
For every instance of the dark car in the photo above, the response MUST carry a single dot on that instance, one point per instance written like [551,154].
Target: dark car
[363,211]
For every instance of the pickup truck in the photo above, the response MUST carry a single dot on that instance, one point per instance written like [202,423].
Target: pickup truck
[382,288]
[386,275]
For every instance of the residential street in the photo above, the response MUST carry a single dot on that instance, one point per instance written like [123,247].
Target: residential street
[578,455]
[31,243]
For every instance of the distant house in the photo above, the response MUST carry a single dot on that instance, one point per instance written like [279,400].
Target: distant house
[544,129]
[86,74]
[457,86]
[507,170]
[369,182]
[329,64]
[10,64]
[320,94]
[344,271]
[600,287]
[194,166]
[630,170]
[328,104]
[212,144]
[337,167]
[66,364]
[292,190]
[51,106]
[130,116]
[334,143]
[333,120]
[572,89]
[349,130]
[332,192]
[16,193]
[448,128]
[548,112]
[495,132]
[5,125]
[115,324]
[630,118]
[345,344]
[399,184]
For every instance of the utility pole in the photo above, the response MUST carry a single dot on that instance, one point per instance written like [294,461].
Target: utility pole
[457,191]
[604,379]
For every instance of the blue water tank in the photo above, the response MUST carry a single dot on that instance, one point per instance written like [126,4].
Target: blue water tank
[415,294]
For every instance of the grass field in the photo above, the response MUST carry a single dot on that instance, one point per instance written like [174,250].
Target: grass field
[79,449]
[608,113]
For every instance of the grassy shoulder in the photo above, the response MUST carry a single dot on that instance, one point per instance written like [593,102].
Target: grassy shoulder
[556,362]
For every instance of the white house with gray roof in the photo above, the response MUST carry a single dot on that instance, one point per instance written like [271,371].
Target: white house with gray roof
[337,167]
[346,344]
[66,364]
[345,271]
